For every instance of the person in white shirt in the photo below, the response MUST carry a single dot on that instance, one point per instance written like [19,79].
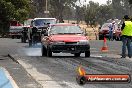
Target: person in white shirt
[111,29]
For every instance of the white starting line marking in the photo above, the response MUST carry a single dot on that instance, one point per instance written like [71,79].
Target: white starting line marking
[96,56]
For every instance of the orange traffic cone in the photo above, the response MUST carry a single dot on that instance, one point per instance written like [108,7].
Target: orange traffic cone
[105,47]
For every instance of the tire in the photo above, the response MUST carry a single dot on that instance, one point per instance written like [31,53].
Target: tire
[77,54]
[87,53]
[30,43]
[81,80]
[22,41]
[44,51]
[118,39]
[101,37]
[18,37]
[49,52]
[12,37]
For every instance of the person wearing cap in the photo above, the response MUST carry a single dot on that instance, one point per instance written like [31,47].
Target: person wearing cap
[126,36]
[111,29]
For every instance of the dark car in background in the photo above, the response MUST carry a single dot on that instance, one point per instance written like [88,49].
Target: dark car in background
[38,25]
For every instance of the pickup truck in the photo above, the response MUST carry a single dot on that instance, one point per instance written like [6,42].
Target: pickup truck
[15,29]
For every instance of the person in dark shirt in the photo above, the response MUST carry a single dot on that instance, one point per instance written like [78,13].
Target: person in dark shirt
[123,25]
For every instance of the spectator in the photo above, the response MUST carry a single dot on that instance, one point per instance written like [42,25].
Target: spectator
[117,33]
[111,29]
[126,36]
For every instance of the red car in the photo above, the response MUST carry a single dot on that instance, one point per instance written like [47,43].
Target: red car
[15,29]
[64,37]
[104,31]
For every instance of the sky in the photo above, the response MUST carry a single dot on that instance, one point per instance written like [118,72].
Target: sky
[99,1]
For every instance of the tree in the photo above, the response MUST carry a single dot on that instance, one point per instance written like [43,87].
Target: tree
[91,13]
[6,12]
[80,13]
[57,7]
[68,13]
[121,8]
[21,10]
[13,9]
[98,14]
[38,8]
[105,12]
[130,1]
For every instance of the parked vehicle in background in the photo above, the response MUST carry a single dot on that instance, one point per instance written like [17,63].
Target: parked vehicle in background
[64,37]
[38,25]
[15,29]
[104,30]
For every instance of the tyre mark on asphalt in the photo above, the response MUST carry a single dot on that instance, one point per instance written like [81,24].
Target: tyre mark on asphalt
[89,65]
[83,62]
[119,61]
[69,65]
[51,70]
[112,65]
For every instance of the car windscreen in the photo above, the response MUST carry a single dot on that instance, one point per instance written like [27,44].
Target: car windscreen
[42,22]
[66,30]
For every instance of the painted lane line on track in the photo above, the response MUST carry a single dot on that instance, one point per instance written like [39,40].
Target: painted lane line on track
[42,79]
[96,56]
[6,80]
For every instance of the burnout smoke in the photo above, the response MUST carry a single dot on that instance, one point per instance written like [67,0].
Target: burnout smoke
[33,51]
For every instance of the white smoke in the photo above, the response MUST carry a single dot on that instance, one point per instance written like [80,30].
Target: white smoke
[31,51]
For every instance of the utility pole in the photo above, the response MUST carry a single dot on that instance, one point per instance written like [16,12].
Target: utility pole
[46,10]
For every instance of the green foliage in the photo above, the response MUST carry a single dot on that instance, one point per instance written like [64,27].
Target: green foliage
[80,12]
[105,12]
[130,1]
[7,10]
[121,8]
[13,9]
[91,13]
[57,7]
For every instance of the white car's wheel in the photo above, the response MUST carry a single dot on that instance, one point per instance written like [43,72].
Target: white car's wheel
[77,54]
[87,53]
[44,51]
[49,52]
